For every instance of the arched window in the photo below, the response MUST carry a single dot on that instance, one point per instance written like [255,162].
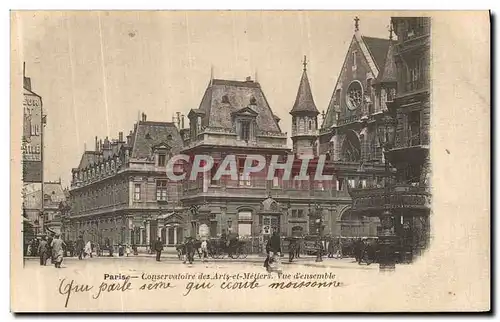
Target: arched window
[351,147]
[244,223]
[310,125]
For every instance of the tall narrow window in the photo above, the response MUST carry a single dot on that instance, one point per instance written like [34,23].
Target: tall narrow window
[161,190]
[162,158]
[414,128]
[354,61]
[310,125]
[244,178]
[137,192]
[213,172]
[276,182]
[245,130]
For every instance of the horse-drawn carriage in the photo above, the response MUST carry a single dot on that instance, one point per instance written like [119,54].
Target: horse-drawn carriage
[217,248]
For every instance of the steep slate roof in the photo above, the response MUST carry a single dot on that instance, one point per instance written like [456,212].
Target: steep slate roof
[304,101]
[149,134]
[378,49]
[239,94]
[88,158]
[388,73]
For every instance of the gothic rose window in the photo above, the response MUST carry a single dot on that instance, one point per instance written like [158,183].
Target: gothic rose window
[354,95]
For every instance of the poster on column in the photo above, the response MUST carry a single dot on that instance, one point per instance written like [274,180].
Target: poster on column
[32,138]
[319,161]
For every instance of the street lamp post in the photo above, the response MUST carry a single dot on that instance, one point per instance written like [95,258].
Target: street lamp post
[318,222]
[386,131]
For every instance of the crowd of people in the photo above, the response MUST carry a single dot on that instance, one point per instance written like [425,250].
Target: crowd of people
[363,250]
[54,248]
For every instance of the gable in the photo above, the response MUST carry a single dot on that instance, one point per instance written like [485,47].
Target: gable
[362,70]
[246,111]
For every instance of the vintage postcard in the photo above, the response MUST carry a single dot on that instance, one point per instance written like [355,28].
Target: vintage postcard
[250,161]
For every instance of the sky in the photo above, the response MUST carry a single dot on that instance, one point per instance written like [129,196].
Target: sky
[96,71]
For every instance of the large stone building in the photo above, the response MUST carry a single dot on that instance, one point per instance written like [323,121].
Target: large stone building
[234,118]
[120,192]
[117,190]
[349,133]
[407,84]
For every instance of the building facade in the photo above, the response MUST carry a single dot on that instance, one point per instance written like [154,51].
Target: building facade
[44,208]
[348,133]
[406,80]
[120,193]
[234,118]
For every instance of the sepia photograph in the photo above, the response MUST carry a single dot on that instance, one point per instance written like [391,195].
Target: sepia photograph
[263,161]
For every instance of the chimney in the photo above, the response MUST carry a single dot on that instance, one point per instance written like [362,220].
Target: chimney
[129,138]
[96,144]
[26,80]
[144,117]
[120,137]
[100,145]
[178,119]
[249,79]
[182,121]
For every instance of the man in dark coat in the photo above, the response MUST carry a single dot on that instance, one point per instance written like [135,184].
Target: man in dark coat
[43,249]
[158,247]
[49,249]
[292,249]
[79,247]
[189,249]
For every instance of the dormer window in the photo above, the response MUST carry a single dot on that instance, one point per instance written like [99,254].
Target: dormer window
[162,159]
[148,136]
[245,130]
[225,99]
[253,101]
[169,137]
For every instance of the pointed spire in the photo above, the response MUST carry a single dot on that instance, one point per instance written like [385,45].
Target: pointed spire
[388,74]
[304,101]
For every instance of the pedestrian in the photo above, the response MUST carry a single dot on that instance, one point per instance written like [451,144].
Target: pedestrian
[292,249]
[298,248]
[158,247]
[58,250]
[274,252]
[121,250]
[331,247]
[134,249]
[42,251]
[97,249]
[189,251]
[49,250]
[88,249]
[268,258]
[204,249]
[319,251]
[127,250]
[80,246]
